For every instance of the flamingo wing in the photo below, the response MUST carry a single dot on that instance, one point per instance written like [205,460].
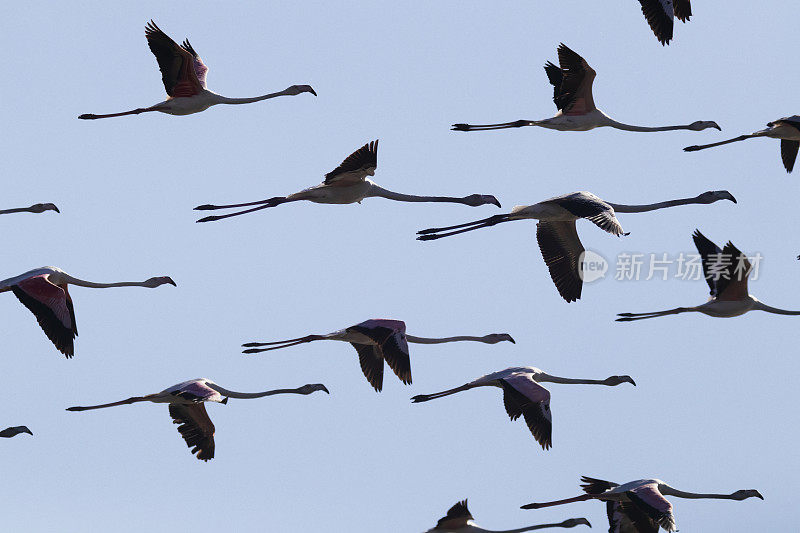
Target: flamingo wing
[596,486]
[356,166]
[654,505]
[195,427]
[625,517]
[736,271]
[789,153]
[522,396]
[562,249]
[52,307]
[371,360]
[592,208]
[395,352]
[456,517]
[660,15]
[200,68]
[177,65]
[711,255]
[573,94]
[683,9]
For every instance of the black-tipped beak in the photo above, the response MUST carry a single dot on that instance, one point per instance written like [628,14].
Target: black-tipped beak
[312,91]
[758,494]
[56,209]
[733,199]
[324,388]
[633,382]
[717,127]
[171,282]
[497,202]
[511,340]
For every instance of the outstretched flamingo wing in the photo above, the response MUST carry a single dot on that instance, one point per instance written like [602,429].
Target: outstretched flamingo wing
[177,65]
[390,338]
[651,502]
[456,517]
[737,272]
[371,361]
[522,396]
[561,250]
[660,15]
[200,68]
[625,517]
[195,427]
[356,166]
[683,9]
[573,96]
[52,307]
[789,150]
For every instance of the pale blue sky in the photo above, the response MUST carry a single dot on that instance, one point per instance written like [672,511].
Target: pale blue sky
[713,407]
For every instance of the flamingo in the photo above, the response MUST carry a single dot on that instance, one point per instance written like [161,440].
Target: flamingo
[726,272]
[639,506]
[378,340]
[186,408]
[458,518]
[14,431]
[523,396]
[35,208]
[786,129]
[348,184]
[44,292]
[558,239]
[572,94]
[184,76]
[660,15]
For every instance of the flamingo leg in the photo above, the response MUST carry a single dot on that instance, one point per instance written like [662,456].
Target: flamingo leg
[281,344]
[270,203]
[704,146]
[89,116]
[581,498]
[485,127]
[629,317]
[209,207]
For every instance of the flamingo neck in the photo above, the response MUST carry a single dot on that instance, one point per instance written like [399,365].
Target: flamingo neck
[623,208]
[225,100]
[666,490]
[82,283]
[760,306]
[391,195]
[629,127]
[440,340]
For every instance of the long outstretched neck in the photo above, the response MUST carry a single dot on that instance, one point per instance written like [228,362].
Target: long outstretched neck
[253,346]
[522,529]
[400,197]
[581,498]
[438,233]
[234,101]
[630,127]
[697,147]
[613,380]
[623,208]
[666,490]
[91,284]
[262,204]
[15,210]
[250,395]
[441,340]
[500,126]
[133,399]
[425,397]
[90,116]
[760,306]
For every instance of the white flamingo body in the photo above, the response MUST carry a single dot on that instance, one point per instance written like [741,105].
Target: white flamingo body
[184,77]
[572,84]
[726,271]
[523,396]
[639,506]
[377,340]
[44,292]
[458,518]
[186,408]
[786,129]
[347,184]
[556,232]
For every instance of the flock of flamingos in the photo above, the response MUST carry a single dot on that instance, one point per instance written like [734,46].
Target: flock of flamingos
[637,506]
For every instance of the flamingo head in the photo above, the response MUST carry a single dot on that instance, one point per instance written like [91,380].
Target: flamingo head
[474,200]
[704,124]
[710,197]
[747,493]
[494,338]
[158,281]
[297,89]
[308,389]
[572,522]
[616,380]
[41,208]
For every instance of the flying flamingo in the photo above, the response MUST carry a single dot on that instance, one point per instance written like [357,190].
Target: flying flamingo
[523,396]
[14,431]
[786,129]
[639,506]
[35,208]
[572,95]
[726,272]
[459,518]
[376,341]
[186,408]
[660,15]
[348,184]
[184,76]
[44,292]
[558,239]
